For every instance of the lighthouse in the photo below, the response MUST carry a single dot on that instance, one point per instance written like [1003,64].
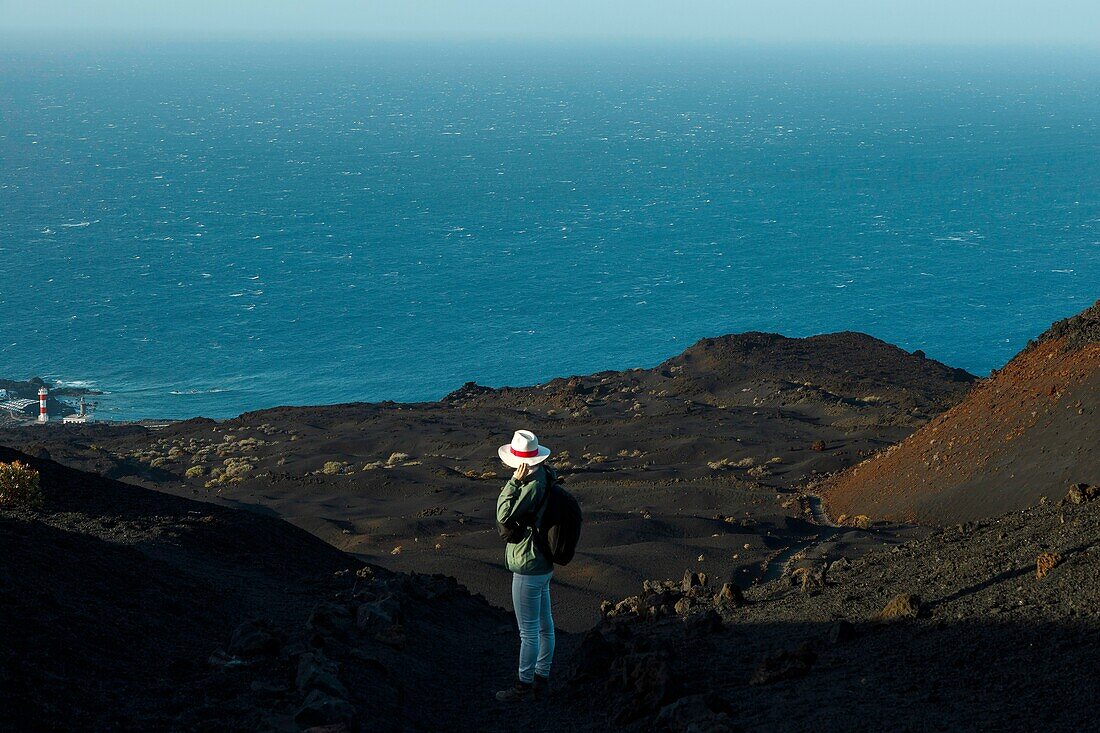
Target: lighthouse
[42,416]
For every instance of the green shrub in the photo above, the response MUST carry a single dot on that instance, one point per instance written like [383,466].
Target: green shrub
[19,485]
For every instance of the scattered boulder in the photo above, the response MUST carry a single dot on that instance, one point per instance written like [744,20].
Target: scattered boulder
[696,714]
[627,607]
[1081,493]
[702,624]
[646,681]
[253,639]
[842,631]
[595,655]
[321,709]
[730,596]
[810,579]
[315,672]
[692,580]
[905,606]
[840,565]
[860,521]
[330,618]
[378,615]
[785,665]
[1045,562]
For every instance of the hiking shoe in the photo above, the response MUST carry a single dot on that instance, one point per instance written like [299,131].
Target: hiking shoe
[519,691]
[541,686]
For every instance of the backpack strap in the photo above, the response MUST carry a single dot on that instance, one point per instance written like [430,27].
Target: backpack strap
[550,480]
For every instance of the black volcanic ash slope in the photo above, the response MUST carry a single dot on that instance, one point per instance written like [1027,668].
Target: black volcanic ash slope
[126,609]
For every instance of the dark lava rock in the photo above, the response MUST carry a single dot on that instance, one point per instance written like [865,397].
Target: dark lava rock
[811,580]
[320,708]
[730,595]
[696,714]
[595,655]
[785,665]
[315,672]
[253,639]
[691,580]
[379,615]
[840,565]
[841,632]
[1082,493]
[702,624]
[905,606]
[276,723]
[646,681]
[332,618]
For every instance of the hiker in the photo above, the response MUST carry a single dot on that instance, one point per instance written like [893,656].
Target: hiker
[519,509]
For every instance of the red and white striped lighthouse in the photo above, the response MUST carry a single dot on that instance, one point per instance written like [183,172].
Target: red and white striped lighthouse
[42,416]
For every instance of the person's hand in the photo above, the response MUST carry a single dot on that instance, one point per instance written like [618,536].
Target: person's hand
[522,472]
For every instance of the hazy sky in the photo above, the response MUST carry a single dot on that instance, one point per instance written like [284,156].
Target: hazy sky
[1062,22]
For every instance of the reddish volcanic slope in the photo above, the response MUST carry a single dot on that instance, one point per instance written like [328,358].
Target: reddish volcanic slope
[1026,432]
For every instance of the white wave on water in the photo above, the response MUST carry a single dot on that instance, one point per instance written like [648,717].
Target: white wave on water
[189,392]
[81,224]
[74,383]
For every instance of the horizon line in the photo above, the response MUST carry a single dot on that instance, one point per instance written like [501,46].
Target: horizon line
[160,36]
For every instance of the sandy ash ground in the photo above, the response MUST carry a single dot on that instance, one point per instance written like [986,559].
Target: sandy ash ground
[700,462]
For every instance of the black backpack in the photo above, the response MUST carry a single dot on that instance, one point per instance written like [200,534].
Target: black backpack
[559,531]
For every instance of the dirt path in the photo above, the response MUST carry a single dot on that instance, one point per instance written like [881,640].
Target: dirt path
[775,566]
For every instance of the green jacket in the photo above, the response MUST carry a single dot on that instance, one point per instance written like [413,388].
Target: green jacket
[515,501]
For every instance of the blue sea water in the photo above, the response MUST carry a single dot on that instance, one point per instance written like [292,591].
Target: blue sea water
[213,228]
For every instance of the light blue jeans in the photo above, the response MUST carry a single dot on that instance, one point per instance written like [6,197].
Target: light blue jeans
[531,597]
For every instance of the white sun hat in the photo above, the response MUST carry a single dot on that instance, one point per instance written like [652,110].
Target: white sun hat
[524,448]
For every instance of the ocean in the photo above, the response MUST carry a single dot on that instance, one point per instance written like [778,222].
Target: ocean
[205,229]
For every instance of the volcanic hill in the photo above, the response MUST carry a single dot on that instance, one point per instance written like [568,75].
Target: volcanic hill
[1028,431]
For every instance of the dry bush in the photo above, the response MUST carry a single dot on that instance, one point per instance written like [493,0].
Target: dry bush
[20,485]
[237,468]
[335,467]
